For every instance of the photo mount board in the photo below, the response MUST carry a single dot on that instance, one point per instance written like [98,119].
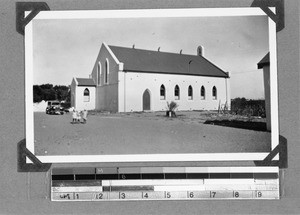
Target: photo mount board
[151,157]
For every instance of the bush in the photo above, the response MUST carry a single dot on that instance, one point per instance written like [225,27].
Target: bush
[171,107]
[248,107]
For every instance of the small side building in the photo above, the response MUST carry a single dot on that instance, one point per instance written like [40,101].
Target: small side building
[83,91]
[265,65]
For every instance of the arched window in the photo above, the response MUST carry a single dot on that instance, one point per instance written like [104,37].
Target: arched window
[162,92]
[190,93]
[177,92]
[86,95]
[106,71]
[99,73]
[214,93]
[202,93]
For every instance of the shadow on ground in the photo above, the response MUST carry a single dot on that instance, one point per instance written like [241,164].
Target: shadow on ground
[256,126]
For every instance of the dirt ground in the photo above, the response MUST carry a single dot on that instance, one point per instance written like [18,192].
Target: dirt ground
[142,133]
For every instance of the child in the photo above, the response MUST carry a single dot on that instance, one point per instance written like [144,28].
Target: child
[78,113]
[74,116]
[84,115]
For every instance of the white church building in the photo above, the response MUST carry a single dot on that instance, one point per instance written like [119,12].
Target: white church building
[130,79]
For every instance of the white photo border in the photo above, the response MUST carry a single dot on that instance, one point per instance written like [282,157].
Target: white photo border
[145,13]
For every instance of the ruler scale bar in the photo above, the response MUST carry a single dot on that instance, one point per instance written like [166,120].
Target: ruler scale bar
[128,188]
[165,187]
[164,195]
[166,176]
[164,183]
[182,172]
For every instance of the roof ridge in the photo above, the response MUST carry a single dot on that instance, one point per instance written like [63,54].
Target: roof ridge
[157,51]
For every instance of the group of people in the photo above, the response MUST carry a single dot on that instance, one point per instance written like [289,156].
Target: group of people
[79,116]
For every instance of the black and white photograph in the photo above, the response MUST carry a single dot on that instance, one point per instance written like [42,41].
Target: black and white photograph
[151,85]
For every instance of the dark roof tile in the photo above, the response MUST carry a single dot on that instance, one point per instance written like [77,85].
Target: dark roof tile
[85,82]
[264,62]
[139,60]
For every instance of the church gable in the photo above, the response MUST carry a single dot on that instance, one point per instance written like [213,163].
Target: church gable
[105,67]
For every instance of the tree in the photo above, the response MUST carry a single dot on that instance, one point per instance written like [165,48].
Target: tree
[49,92]
[37,93]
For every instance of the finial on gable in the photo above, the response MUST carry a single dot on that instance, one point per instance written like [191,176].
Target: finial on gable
[200,51]
[158,49]
[133,46]
[180,51]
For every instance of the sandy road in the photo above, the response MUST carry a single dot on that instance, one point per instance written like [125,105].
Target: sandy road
[140,134]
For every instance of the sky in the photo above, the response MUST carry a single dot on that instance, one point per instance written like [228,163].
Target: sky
[64,49]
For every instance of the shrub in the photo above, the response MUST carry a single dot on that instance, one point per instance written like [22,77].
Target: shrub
[248,107]
[172,106]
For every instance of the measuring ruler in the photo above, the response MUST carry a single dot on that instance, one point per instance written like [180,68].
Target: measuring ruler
[164,183]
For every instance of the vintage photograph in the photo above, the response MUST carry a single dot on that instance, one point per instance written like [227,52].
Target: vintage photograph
[151,85]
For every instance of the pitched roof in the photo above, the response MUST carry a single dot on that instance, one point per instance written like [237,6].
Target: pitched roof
[264,62]
[85,82]
[139,60]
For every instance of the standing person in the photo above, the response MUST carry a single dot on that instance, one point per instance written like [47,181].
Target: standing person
[74,116]
[84,115]
[78,113]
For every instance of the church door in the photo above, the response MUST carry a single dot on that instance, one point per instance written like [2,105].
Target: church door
[146,100]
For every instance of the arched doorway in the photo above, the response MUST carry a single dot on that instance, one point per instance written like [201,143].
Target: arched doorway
[146,100]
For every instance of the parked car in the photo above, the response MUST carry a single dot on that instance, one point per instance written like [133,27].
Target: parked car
[66,106]
[54,107]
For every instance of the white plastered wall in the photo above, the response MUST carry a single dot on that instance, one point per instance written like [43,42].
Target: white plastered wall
[73,92]
[266,70]
[80,104]
[107,93]
[132,86]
